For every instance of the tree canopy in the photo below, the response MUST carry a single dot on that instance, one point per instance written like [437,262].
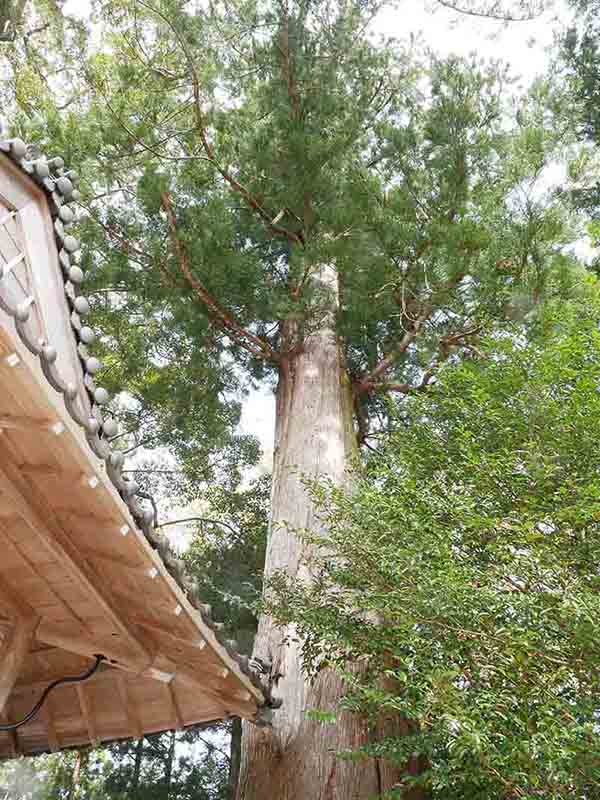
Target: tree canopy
[229,150]
[581,45]
[228,153]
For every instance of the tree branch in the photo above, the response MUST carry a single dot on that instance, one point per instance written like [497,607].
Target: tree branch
[369,381]
[527,16]
[236,533]
[254,344]
[250,199]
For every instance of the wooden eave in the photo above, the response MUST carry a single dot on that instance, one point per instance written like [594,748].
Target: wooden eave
[80,574]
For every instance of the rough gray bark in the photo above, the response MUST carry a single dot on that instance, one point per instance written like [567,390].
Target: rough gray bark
[296,759]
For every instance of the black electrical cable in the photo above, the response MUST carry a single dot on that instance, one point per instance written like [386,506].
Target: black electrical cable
[11,726]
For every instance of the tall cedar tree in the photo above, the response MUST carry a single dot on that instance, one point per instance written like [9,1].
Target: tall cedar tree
[581,47]
[271,196]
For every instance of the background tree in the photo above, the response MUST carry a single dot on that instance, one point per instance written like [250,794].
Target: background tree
[581,49]
[277,198]
[462,569]
[192,765]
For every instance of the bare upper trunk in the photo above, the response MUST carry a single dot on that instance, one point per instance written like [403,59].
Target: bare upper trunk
[297,758]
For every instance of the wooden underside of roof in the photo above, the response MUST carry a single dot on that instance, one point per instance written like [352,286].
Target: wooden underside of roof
[78,578]
[77,575]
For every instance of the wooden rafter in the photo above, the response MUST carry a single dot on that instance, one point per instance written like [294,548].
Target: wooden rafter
[48,717]
[115,561]
[103,676]
[15,647]
[178,721]
[131,712]
[26,424]
[230,704]
[17,608]
[80,644]
[198,643]
[87,713]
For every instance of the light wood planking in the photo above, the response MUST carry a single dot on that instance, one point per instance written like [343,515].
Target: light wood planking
[87,713]
[178,722]
[14,747]
[15,647]
[47,714]
[131,712]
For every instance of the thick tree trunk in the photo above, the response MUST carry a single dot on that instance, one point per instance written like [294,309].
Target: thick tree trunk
[296,759]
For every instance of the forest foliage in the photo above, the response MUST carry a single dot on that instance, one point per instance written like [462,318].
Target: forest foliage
[462,571]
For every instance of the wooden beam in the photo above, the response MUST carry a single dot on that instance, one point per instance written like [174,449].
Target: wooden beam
[9,422]
[17,608]
[48,471]
[84,646]
[197,642]
[162,669]
[104,675]
[14,651]
[48,717]
[178,722]
[14,746]
[45,525]
[131,712]
[118,564]
[224,696]
[87,713]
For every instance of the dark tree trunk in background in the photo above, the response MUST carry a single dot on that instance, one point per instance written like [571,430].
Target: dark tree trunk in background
[139,752]
[169,764]
[235,754]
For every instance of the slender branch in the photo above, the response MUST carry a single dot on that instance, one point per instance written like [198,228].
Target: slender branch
[211,747]
[139,444]
[254,344]
[402,388]
[369,381]
[125,243]
[471,12]
[445,348]
[201,519]
[154,471]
